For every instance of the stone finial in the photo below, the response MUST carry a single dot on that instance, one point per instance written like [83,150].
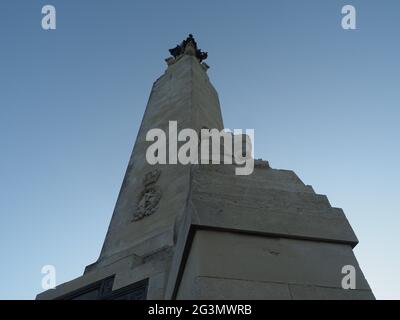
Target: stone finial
[189,47]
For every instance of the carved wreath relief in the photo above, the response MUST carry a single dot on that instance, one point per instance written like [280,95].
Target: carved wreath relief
[150,196]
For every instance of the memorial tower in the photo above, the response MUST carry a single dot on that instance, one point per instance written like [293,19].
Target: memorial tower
[203,232]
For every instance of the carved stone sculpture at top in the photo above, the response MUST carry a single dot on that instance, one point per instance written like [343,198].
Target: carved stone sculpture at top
[188,46]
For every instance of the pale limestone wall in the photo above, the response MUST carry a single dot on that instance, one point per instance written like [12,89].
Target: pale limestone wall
[183,94]
[263,236]
[225,265]
[269,201]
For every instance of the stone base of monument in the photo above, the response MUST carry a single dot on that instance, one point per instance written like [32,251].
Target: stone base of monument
[264,236]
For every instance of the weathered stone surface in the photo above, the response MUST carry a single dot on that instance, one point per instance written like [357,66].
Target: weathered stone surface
[221,260]
[277,203]
[206,288]
[299,292]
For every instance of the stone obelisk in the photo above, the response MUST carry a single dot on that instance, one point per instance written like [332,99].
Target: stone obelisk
[202,232]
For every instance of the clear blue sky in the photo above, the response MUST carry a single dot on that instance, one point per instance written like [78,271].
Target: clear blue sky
[324,102]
